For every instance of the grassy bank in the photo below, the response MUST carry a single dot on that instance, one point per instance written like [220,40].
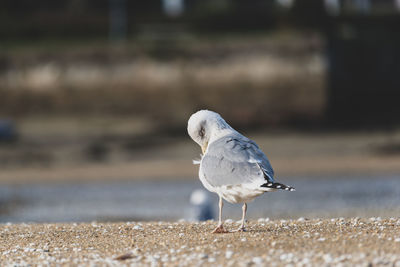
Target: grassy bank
[251,80]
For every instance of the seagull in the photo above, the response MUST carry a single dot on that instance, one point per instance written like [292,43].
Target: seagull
[232,165]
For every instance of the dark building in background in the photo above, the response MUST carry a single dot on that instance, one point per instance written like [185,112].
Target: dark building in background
[363,49]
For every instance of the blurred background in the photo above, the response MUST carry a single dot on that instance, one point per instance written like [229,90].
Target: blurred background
[95,98]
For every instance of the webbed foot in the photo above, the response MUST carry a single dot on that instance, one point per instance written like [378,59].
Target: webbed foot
[241,229]
[220,230]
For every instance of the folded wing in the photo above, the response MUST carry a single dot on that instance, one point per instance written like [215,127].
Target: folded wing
[235,159]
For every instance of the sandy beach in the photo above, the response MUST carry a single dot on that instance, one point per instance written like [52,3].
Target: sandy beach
[301,242]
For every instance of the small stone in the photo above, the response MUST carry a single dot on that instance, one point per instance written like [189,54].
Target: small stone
[211,260]
[257,260]
[203,256]
[327,258]
[228,254]
[137,227]
[305,261]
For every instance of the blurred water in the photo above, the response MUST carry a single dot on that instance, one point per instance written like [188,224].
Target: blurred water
[169,200]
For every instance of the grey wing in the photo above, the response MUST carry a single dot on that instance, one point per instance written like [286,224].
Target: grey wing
[256,154]
[235,159]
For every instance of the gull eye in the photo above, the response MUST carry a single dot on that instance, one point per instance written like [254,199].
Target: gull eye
[202,132]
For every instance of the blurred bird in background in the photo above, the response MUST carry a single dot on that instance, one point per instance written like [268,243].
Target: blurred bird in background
[201,208]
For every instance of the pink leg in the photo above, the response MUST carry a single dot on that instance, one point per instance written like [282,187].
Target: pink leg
[220,228]
[242,228]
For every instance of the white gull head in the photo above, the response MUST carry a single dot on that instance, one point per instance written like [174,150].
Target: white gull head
[205,126]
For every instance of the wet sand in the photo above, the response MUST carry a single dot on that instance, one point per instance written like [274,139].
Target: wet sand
[301,242]
[372,196]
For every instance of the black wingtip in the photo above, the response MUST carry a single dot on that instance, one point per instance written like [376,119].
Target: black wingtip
[278,186]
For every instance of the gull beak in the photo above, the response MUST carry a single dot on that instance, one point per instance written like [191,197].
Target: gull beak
[204,148]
